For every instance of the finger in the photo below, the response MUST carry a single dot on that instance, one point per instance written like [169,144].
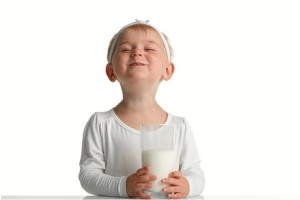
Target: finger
[171,181]
[146,178]
[142,195]
[172,189]
[142,171]
[175,196]
[175,174]
[143,186]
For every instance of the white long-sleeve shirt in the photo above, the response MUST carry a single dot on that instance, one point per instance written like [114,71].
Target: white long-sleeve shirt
[111,151]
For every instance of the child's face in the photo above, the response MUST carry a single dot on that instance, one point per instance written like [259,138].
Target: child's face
[139,55]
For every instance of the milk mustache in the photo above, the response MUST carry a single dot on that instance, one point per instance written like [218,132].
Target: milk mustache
[161,163]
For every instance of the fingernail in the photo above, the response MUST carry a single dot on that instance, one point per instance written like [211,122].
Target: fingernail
[152,177]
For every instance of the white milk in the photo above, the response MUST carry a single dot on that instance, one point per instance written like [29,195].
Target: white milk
[161,163]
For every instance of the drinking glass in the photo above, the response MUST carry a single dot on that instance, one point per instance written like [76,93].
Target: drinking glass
[157,144]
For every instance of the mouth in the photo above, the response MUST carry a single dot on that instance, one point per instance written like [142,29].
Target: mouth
[137,64]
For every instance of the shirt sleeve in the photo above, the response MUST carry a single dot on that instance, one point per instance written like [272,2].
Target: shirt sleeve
[92,164]
[190,163]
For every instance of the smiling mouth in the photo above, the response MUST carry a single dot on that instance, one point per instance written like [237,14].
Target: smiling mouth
[137,64]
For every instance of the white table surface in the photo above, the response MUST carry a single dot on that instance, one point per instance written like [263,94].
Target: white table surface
[204,197]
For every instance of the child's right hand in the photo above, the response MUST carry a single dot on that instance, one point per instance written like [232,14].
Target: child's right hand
[138,182]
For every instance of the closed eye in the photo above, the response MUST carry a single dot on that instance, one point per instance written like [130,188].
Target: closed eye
[125,50]
[149,49]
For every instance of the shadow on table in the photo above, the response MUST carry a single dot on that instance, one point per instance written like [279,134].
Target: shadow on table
[99,197]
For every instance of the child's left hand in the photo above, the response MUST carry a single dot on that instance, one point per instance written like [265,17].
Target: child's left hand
[178,185]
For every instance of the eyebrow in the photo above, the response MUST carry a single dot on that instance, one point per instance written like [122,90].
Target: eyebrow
[146,41]
[153,42]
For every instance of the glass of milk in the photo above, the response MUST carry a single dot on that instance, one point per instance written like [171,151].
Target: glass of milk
[158,153]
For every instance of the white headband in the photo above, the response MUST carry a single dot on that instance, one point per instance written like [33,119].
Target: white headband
[115,38]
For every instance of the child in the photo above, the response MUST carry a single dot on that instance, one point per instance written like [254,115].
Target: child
[139,58]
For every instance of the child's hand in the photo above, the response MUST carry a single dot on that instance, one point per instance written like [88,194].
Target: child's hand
[138,182]
[178,185]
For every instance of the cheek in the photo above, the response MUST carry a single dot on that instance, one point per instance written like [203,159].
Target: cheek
[117,60]
[162,59]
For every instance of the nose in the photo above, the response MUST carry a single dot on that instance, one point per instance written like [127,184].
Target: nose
[136,53]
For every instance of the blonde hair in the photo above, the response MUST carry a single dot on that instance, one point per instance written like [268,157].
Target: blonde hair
[140,27]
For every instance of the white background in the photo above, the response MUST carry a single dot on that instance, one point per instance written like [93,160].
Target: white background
[237,81]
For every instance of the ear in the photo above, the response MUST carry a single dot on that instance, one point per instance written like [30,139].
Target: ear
[169,71]
[110,73]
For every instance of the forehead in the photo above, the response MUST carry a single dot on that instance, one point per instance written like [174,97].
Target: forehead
[140,31]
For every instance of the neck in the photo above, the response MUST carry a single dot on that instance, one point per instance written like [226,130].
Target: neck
[139,104]
[140,107]
[139,99]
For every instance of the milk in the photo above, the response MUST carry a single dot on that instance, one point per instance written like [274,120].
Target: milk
[161,163]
